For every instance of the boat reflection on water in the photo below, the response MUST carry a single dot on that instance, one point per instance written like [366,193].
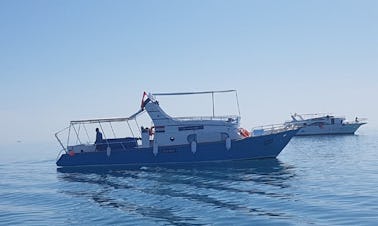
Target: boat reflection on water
[271,171]
[163,192]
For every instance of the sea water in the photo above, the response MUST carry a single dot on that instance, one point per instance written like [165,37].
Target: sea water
[320,180]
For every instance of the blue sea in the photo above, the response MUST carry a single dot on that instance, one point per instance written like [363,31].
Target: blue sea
[321,180]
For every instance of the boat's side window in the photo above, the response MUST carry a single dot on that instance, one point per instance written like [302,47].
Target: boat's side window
[185,128]
[317,124]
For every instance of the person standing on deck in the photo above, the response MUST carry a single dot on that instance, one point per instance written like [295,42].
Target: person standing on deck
[98,139]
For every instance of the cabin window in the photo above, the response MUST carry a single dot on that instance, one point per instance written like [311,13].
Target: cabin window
[185,128]
[316,124]
[160,129]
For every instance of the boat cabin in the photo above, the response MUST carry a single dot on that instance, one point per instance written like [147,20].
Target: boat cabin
[164,130]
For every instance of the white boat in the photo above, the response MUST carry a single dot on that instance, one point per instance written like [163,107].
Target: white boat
[325,124]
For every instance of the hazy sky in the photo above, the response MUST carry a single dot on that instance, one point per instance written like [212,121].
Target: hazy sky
[63,60]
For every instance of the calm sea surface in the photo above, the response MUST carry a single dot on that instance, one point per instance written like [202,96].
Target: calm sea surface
[315,181]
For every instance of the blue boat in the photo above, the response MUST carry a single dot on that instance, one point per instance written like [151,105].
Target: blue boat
[171,140]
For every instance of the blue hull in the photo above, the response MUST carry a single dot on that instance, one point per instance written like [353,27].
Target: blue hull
[268,146]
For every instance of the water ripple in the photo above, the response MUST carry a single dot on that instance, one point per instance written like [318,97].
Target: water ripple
[316,181]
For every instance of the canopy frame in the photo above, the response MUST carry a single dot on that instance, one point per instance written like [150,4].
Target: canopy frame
[204,92]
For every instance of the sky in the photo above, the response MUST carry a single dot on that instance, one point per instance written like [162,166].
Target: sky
[64,60]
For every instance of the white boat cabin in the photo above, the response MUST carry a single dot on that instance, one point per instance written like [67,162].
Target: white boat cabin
[178,131]
[165,130]
[316,119]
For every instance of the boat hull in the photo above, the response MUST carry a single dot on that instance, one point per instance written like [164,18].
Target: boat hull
[329,129]
[267,146]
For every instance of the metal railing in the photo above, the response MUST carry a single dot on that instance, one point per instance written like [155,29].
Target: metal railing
[228,118]
[356,121]
[57,137]
[272,129]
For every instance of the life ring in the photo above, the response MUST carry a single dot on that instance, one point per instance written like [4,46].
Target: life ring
[244,132]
